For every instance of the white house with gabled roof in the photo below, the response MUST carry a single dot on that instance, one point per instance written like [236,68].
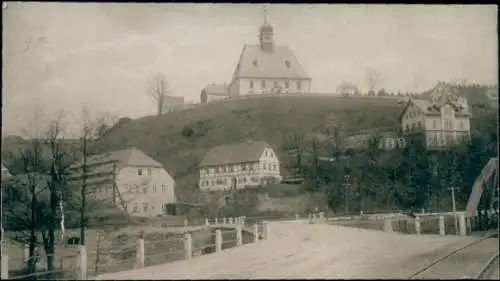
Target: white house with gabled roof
[239,165]
[444,117]
[129,178]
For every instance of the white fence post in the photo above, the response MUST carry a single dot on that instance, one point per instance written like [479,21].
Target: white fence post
[256,233]
[314,217]
[461,225]
[230,220]
[224,221]
[218,240]
[82,263]
[441,226]
[5,267]
[311,219]
[322,216]
[187,246]
[239,236]
[265,230]
[140,253]
[216,221]
[297,217]
[387,224]
[418,229]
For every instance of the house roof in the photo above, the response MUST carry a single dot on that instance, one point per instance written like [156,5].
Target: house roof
[126,157]
[234,153]
[430,108]
[281,63]
[216,90]
[173,101]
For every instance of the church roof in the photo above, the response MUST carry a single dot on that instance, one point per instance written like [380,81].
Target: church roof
[281,63]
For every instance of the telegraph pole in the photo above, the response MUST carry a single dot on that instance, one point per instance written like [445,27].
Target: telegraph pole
[346,186]
[454,208]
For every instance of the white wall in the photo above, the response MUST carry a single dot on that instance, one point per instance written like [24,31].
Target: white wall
[155,187]
[243,87]
[245,177]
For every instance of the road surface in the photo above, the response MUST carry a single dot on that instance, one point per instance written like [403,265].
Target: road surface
[300,250]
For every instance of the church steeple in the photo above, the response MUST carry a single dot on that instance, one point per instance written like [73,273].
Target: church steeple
[266,34]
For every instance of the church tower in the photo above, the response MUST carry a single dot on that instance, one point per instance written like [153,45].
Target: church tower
[266,35]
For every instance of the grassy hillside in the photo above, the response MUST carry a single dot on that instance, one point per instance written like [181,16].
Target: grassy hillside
[179,140]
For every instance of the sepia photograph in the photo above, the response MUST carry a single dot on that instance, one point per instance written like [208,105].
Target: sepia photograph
[151,141]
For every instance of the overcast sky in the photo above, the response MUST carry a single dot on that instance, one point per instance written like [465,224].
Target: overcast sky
[62,55]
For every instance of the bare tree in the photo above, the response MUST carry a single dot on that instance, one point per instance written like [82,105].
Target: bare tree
[159,92]
[373,78]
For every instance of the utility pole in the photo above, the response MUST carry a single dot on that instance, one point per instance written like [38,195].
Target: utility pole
[454,208]
[84,189]
[346,186]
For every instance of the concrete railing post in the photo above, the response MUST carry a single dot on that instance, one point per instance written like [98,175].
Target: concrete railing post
[218,240]
[314,218]
[322,216]
[139,253]
[418,229]
[239,236]
[441,226]
[224,221]
[82,263]
[207,222]
[26,252]
[216,221]
[230,220]
[468,222]
[185,223]
[387,224]
[4,270]
[297,217]
[310,219]
[265,230]
[361,212]
[461,225]
[188,246]
[255,233]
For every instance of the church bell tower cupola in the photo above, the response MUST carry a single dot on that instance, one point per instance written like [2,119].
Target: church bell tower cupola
[266,35]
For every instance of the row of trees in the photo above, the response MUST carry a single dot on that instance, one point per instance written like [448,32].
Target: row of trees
[40,194]
[410,177]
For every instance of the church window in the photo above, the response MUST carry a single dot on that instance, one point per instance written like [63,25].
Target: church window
[254,63]
[299,86]
[251,84]
[287,63]
[263,83]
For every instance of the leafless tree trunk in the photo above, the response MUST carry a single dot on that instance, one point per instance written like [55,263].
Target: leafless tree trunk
[159,92]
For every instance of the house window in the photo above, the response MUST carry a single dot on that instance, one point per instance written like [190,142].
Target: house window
[449,138]
[149,171]
[136,207]
[250,167]
[254,179]
[269,167]
[299,86]
[264,167]
[244,167]
[230,169]
[145,207]
[274,167]
[419,124]
[287,84]
[263,84]
[139,172]
[154,187]
[287,63]
[413,126]
[163,187]
[251,84]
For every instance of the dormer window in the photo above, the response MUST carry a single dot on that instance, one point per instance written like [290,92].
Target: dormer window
[254,62]
[287,63]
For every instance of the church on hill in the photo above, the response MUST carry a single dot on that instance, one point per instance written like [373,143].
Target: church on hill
[264,68]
